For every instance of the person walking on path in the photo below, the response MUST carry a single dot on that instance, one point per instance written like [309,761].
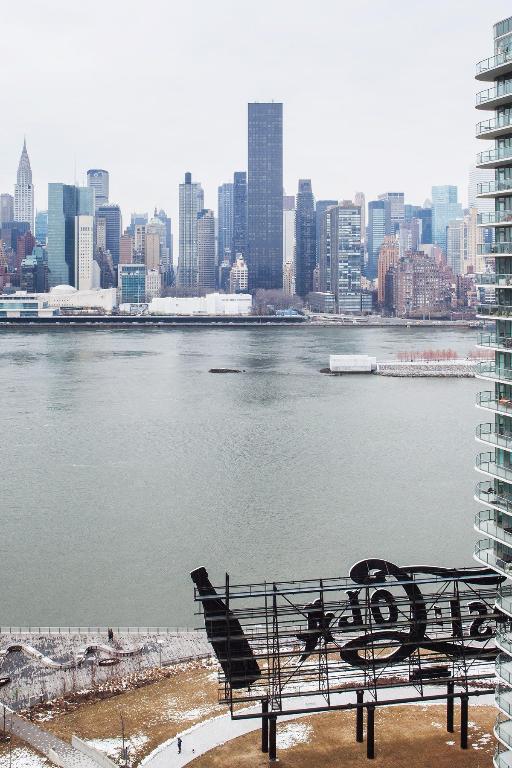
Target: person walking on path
[179,745]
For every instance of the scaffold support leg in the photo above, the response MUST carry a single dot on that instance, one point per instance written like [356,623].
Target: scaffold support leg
[464,722]
[264,726]
[360,717]
[449,707]
[272,750]
[370,732]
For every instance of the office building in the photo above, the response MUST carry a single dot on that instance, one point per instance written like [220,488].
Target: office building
[394,209]
[153,284]
[320,209]
[265,196]
[425,216]
[377,212]
[98,180]
[305,238]
[239,276]
[445,208]
[113,228]
[6,208]
[239,244]
[388,256]
[135,219]
[152,250]
[206,262]
[131,283]
[494,492]
[126,249]
[225,209]
[65,203]
[41,227]
[191,202]
[457,246]
[87,271]
[289,244]
[24,191]
[360,200]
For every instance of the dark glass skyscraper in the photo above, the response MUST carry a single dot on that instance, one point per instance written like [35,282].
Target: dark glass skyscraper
[305,238]
[112,216]
[239,214]
[377,217]
[265,196]
[65,202]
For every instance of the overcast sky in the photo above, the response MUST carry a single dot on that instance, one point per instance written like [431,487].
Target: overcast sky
[378,94]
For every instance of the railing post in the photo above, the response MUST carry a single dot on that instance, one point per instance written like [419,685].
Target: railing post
[264,726]
[272,748]
[360,717]
[449,706]
[464,700]
[370,732]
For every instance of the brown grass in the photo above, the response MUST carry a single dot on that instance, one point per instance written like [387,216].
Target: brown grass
[406,737]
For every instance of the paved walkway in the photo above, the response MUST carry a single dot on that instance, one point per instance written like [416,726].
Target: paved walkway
[44,742]
[203,737]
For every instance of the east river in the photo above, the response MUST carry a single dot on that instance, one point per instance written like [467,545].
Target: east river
[125,464]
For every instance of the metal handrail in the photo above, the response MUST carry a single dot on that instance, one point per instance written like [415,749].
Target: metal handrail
[488,187]
[491,155]
[492,371]
[495,249]
[494,340]
[493,61]
[489,94]
[490,434]
[495,217]
[486,462]
[490,125]
[493,278]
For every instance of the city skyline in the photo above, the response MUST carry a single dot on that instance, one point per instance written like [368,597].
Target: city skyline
[319,141]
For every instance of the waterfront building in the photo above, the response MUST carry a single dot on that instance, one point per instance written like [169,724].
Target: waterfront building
[239,244]
[305,238]
[87,271]
[131,282]
[25,304]
[239,276]
[65,203]
[191,202]
[457,246]
[212,304]
[24,191]
[495,461]
[345,258]
[445,208]
[114,227]
[98,180]
[206,262]
[225,195]
[323,302]
[388,256]
[377,213]
[41,227]
[126,249]
[289,244]
[6,208]
[265,195]
[394,207]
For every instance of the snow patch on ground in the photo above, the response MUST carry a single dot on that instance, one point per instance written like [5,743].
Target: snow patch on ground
[293,733]
[193,714]
[112,747]
[22,758]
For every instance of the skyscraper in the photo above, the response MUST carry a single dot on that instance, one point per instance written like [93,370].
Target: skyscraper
[377,210]
[457,245]
[206,251]
[239,213]
[445,208]
[360,200]
[342,239]
[289,244]
[494,492]
[85,266]
[41,227]
[65,203]
[191,202]
[395,211]
[265,196]
[321,207]
[305,238]
[225,209]
[98,180]
[6,208]
[24,191]
[114,227]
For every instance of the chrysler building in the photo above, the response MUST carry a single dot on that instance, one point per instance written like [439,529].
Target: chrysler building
[24,191]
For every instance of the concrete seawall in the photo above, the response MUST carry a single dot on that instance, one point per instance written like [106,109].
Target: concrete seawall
[461,369]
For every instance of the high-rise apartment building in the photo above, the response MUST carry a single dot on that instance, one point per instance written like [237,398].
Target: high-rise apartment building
[206,262]
[265,195]
[494,492]
[6,208]
[445,208]
[239,244]
[98,180]
[457,246]
[377,213]
[191,202]
[24,191]
[289,244]
[114,228]
[305,238]
[416,286]
[321,207]
[341,258]
[65,203]
[225,211]
[388,256]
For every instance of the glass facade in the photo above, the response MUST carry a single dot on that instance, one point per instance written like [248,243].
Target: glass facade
[239,213]
[113,229]
[305,238]
[265,196]
[225,237]
[132,283]
[376,234]
[445,208]
[191,202]
[64,203]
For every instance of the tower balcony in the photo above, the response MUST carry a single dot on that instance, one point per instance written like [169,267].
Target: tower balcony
[494,249]
[486,464]
[494,280]
[494,341]
[495,66]
[503,695]
[495,219]
[484,553]
[504,668]
[486,521]
[503,731]
[502,759]
[492,189]
[486,494]
[493,128]
[504,603]
[490,402]
[492,435]
[503,634]
[494,158]
[495,97]
[494,311]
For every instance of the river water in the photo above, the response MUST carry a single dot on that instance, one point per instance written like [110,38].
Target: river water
[126,464]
